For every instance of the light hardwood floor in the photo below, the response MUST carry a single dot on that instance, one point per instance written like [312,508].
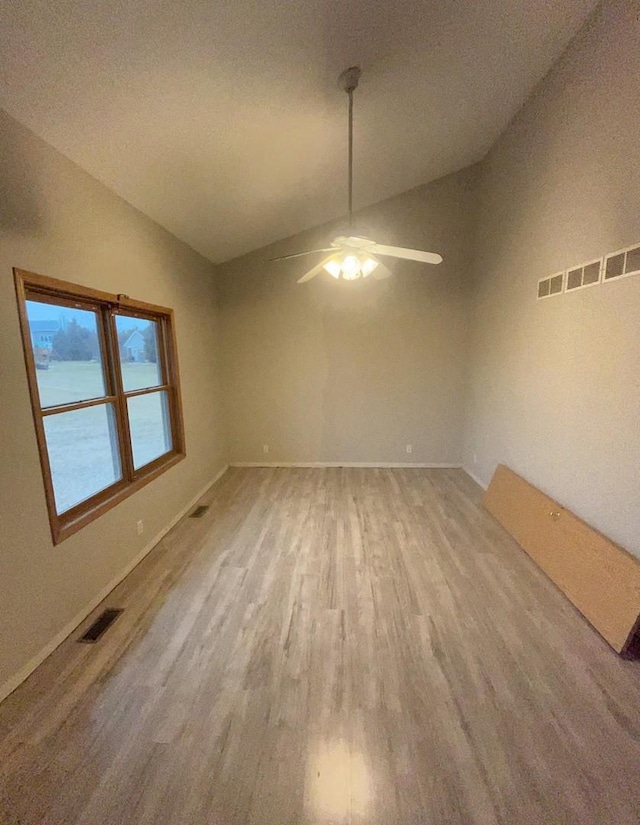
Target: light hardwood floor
[330,646]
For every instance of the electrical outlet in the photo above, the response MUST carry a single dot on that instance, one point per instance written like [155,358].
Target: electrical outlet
[265,448]
[409,448]
[475,458]
[140,526]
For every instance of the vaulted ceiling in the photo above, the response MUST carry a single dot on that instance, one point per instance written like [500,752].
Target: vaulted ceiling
[223,120]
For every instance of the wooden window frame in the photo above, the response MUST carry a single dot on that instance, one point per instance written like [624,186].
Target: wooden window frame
[30,286]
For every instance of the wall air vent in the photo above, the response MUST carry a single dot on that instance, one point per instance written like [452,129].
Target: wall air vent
[615,265]
[101,625]
[548,287]
[588,274]
[622,263]
[632,261]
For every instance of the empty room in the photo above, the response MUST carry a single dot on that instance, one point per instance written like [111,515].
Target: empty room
[320,412]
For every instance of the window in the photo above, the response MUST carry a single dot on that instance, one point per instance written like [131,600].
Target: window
[103,378]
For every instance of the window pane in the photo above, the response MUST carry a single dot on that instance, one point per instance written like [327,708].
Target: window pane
[66,351]
[138,342]
[83,453]
[150,427]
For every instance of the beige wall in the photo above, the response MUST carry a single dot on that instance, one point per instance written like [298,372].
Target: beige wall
[335,371]
[555,386]
[57,220]
[330,372]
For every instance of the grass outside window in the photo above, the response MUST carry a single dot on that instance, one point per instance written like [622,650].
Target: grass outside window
[103,378]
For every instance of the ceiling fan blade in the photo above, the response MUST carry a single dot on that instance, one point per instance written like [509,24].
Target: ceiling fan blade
[381,271]
[301,254]
[317,269]
[408,254]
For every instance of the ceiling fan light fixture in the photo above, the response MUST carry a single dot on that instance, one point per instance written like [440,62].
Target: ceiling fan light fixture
[350,266]
[333,268]
[367,266]
[352,254]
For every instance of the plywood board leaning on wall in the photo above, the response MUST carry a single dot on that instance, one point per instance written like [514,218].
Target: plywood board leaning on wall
[599,577]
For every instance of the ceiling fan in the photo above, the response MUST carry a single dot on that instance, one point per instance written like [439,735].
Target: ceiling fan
[353,255]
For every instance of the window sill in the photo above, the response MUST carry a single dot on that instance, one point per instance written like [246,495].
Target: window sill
[69,523]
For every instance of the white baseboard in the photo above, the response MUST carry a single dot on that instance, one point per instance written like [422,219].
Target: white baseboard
[370,464]
[12,683]
[475,477]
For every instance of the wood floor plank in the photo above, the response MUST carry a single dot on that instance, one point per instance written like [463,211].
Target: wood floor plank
[330,646]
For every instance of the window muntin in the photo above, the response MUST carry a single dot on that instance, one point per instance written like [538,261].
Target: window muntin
[144,386]
[104,387]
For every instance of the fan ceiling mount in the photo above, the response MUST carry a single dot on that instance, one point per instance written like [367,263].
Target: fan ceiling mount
[352,254]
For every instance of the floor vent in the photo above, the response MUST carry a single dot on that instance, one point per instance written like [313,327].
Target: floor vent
[101,625]
[200,510]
